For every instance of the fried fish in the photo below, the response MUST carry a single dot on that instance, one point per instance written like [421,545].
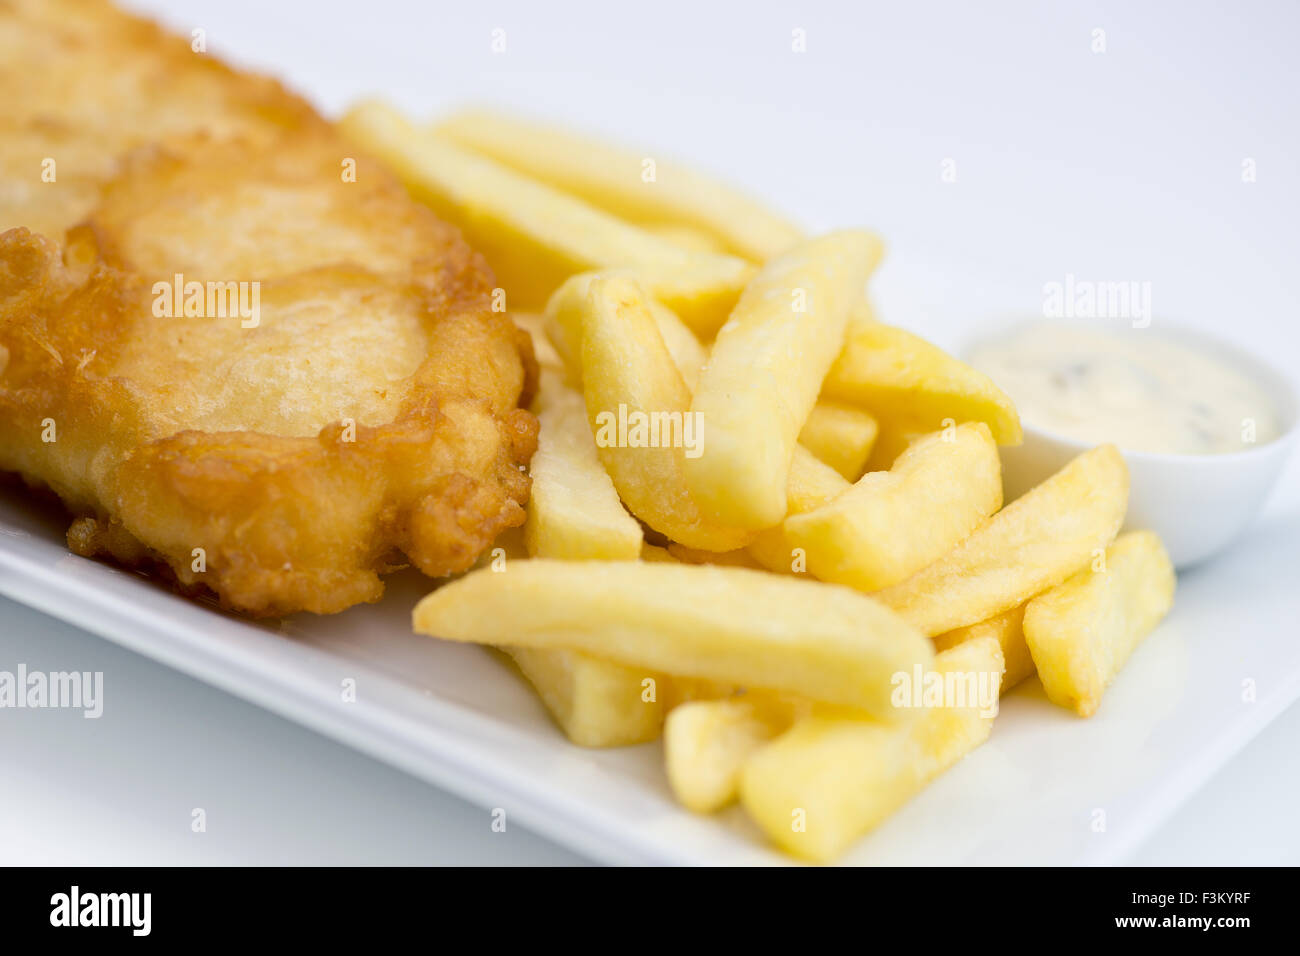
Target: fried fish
[233,346]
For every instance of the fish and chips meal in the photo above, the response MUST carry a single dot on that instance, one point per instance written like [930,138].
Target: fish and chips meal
[652,440]
[760,517]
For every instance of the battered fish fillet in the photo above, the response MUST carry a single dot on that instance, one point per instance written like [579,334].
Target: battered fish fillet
[369,418]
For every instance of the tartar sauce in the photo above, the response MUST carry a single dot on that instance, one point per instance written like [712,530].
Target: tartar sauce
[1132,387]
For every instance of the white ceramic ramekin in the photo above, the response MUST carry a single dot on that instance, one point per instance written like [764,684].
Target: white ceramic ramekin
[1197,503]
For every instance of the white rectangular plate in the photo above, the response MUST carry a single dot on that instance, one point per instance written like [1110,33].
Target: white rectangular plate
[1048,788]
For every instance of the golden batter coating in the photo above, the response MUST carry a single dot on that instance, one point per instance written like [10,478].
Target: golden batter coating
[329,391]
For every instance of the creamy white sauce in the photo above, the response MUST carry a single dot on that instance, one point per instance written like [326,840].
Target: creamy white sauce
[1128,386]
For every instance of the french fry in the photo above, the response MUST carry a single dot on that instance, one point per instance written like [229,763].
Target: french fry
[730,559]
[1081,632]
[685,690]
[831,779]
[892,439]
[841,430]
[891,524]
[727,624]
[629,376]
[812,483]
[688,354]
[841,436]
[595,702]
[1032,544]
[563,320]
[535,236]
[652,552]
[707,742]
[687,237]
[574,512]
[903,379]
[765,371]
[628,184]
[1007,629]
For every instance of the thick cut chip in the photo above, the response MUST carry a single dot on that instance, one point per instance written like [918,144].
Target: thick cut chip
[684,690]
[707,742]
[909,383]
[639,411]
[841,436]
[1032,544]
[686,237]
[765,371]
[831,779]
[596,703]
[575,515]
[1008,630]
[564,314]
[653,552]
[728,624]
[574,512]
[740,558]
[893,523]
[892,439]
[1082,631]
[641,189]
[812,483]
[535,237]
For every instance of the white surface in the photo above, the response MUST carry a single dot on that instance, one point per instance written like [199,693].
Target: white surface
[454,715]
[1125,165]
[120,790]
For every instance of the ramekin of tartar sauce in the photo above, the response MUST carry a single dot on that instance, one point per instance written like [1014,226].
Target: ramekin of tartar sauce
[1205,427]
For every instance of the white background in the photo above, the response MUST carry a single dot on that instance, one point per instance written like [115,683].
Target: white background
[1123,165]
